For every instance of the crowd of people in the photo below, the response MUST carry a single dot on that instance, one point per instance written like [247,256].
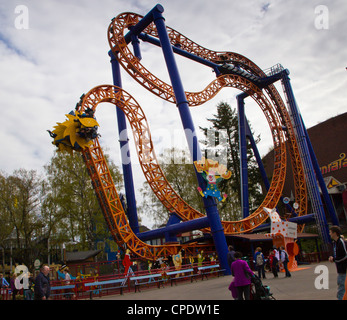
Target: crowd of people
[242,273]
[278,259]
[40,287]
[37,288]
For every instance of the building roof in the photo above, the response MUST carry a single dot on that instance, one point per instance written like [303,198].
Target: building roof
[81,255]
[253,237]
[328,140]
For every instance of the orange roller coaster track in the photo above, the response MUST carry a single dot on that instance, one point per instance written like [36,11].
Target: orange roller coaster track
[268,99]
[107,194]
[273,107]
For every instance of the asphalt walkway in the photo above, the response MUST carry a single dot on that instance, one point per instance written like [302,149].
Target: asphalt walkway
[303,285]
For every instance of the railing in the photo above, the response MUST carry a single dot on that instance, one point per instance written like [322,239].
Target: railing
[96,268]
[274,70]
[313,257]
[5,294]
[119,283]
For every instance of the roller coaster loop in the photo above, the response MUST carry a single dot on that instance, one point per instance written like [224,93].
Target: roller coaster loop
[246,77]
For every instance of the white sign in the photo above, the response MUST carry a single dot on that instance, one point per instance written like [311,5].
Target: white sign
[292,230]
[285,228]
[37,264]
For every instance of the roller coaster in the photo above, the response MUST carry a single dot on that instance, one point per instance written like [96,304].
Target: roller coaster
[232,70]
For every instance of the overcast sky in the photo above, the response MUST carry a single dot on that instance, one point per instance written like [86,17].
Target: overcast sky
[53,51]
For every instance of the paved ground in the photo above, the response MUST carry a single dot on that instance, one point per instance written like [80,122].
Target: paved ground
[301,286]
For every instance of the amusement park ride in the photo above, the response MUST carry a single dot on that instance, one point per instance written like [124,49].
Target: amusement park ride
[79,133]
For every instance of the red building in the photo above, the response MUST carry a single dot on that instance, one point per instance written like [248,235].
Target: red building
[329,141]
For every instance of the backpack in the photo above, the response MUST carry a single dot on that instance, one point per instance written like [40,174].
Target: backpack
[286,259]
[260,260]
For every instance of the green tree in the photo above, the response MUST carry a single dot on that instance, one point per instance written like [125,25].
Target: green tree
[70,205]
[20,199]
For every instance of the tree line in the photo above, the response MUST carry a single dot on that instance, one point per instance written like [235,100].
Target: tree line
[61,207]
[58,208]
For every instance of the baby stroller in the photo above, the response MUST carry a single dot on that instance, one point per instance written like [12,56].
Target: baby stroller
[259,291]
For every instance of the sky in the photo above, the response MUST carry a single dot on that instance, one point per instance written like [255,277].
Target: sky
[53,51]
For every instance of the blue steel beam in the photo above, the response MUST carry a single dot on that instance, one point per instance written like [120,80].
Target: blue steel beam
[243,156]
[316,200]
[249,135]
[218,68]
[194,148]
[143,23]
[175,229]
[125,152]
[173,219]
[320,179]
[308,218]
[147,38]
[136,46]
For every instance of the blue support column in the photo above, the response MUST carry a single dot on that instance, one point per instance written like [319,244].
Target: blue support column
[183,107]
[261,166]
[174,219]
[316,200]
[249,135]
[243,156]
[320,179]
[136,46]
[125,153]
[143,23]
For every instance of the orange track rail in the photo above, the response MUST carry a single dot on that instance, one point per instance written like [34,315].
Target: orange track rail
[269,101]
[273,107]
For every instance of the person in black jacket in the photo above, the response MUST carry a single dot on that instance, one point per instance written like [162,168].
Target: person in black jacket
[340,258]
[42,284]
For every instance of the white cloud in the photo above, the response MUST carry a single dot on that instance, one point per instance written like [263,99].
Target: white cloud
[44,69]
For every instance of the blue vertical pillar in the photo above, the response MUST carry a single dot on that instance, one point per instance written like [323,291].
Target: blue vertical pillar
[136,46]
[243,155]
[249,135]
[125,153]
[174,219]
[327,200]
[316,200]
[183,107]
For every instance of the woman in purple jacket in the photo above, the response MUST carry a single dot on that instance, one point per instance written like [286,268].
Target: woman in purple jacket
[242,277]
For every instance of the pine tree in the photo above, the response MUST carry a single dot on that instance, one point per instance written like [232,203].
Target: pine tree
[222,144]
